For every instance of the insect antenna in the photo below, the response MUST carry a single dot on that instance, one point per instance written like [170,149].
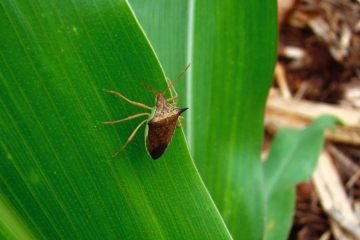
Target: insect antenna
[171,84]
[148,87]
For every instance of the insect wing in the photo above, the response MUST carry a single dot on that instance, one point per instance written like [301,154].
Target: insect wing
[159,136]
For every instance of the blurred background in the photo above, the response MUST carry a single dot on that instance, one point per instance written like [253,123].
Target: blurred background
[317,72]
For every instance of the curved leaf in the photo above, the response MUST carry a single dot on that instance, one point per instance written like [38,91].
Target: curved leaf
[292,159]
[56,168]
[231,46]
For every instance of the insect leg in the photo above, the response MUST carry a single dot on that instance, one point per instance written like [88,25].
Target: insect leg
[172,99]
[128,100]
[126,119]
[178,123]
[173,92]
[129,138]
[171,84]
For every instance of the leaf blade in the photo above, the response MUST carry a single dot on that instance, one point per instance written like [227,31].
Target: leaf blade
[292,159]
[232,50]
[56,166]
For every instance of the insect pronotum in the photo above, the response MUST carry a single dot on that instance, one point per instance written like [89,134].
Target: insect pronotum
[161,122]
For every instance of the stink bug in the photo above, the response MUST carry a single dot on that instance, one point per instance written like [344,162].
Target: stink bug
[161,122]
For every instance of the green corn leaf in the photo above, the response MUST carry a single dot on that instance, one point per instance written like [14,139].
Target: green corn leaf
[292,159]
[231,46]
[58,179]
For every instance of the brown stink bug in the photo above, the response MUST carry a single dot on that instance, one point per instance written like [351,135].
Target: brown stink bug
[161,122]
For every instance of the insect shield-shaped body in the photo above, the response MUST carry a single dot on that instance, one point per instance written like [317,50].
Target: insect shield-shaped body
[161,126]
[161,122]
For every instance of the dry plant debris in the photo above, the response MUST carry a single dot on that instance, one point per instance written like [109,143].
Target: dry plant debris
[318,72]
